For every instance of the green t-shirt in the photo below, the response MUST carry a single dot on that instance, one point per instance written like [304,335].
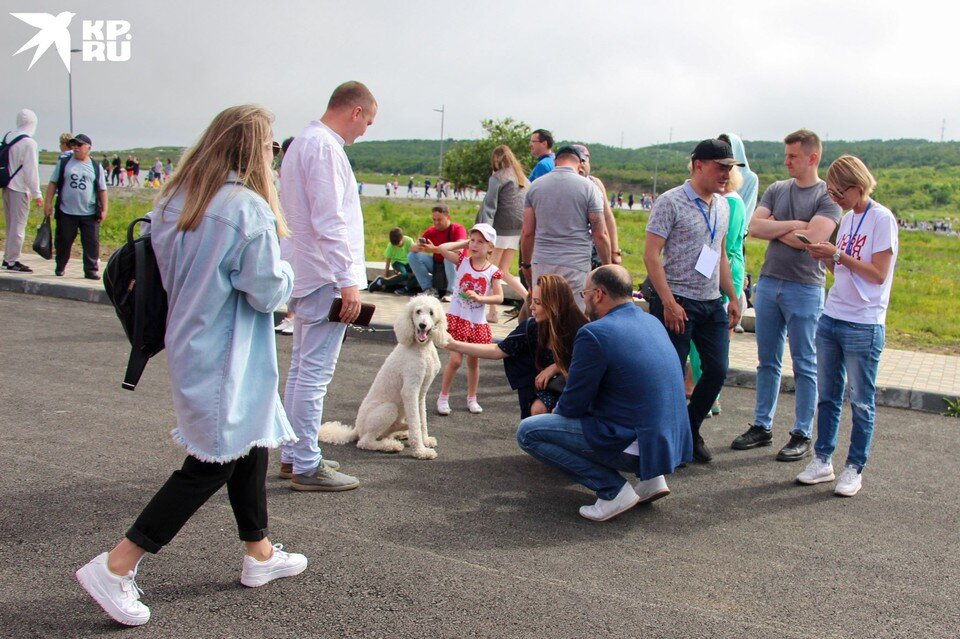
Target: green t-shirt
[399,253]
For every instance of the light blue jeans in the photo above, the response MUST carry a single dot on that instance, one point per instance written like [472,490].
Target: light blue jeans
[787,311]
[847,350]
[316,347]
[559,442]
[423,265]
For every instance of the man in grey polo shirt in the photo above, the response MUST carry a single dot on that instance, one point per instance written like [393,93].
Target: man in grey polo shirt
[688,226]
[790,292]
[562,220]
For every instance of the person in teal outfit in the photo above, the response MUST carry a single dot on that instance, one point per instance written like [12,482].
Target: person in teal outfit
[735,235]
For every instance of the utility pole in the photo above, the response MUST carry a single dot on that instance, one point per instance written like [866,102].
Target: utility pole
[441,111]
[621,140]
[70,89]
[656,170]
[943,129]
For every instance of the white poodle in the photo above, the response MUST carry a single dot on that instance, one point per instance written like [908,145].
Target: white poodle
[396,401]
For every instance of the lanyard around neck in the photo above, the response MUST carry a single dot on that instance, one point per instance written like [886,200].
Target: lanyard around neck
[706,218]
[853,234]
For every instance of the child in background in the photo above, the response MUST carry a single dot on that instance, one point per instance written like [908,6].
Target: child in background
[396,271]
[478,284]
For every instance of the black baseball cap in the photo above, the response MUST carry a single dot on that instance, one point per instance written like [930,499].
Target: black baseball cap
[80,138]
[569,150]
[716,150]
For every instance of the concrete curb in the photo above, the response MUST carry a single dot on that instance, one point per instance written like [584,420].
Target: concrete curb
[924,401]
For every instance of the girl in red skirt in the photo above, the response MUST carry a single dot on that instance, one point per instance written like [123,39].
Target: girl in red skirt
[478,284]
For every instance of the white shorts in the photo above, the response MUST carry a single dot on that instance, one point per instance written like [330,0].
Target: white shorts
[508,242]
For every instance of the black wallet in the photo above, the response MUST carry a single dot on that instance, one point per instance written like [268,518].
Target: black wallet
[366,313]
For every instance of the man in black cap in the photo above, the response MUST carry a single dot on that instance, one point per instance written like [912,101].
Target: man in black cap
[559,208]
[686,260]
[80,186]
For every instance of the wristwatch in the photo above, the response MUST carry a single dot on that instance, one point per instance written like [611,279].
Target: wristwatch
[525,265]
[836,257]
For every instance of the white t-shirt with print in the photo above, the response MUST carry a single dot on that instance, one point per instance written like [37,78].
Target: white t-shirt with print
[470,279]
[852,298]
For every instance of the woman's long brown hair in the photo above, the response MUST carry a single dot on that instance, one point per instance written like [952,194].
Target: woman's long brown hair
[563,318]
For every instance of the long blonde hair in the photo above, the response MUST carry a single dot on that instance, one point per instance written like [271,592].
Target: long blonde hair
[502,158]
[236,140]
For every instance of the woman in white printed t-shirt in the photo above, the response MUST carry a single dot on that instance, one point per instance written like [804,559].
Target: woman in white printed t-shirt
[850,334]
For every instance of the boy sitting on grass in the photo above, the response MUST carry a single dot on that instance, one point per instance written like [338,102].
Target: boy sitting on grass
[396,272]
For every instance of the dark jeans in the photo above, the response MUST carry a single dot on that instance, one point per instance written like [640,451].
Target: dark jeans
[706,327]
[66,233]
[191,486]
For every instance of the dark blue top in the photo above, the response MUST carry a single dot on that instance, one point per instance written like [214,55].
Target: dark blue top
[543,166]
[520,365]
[625,384]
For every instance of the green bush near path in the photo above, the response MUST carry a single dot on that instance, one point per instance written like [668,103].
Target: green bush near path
[924,312]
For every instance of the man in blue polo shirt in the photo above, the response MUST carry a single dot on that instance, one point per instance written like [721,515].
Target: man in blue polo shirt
[541,146]
[80,186]
[688,226]
[605,423]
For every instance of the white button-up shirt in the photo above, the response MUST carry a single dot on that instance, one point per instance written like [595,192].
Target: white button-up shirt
[319,198]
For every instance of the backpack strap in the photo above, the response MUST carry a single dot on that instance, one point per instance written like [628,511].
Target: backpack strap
[10,145]
[142,283]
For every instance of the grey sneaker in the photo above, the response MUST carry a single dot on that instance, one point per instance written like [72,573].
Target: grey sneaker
[324,479]
[286,470]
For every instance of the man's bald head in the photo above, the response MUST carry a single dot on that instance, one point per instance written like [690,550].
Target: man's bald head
[614,280]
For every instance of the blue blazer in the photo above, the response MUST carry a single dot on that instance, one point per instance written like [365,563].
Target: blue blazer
[626,384]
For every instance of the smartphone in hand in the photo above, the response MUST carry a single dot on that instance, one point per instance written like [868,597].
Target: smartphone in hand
[422,240]
[803,238]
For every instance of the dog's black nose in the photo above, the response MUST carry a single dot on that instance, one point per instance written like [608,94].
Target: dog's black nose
[423,326]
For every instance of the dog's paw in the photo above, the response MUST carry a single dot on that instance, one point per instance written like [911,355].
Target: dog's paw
[430,442]
[401,435]
[425,453]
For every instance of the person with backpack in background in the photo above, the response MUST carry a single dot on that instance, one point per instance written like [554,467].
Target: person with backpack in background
[20,181]
[214,231]
[81,190]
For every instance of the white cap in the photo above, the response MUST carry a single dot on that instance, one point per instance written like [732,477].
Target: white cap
[486,231]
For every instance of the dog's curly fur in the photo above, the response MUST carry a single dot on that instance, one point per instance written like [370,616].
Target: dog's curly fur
[396,401]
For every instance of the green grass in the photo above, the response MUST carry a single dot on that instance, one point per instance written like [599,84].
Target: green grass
[924,310]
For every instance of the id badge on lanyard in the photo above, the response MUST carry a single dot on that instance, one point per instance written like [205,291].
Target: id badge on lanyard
[709,258]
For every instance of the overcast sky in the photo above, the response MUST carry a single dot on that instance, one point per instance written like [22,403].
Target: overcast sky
[591,70]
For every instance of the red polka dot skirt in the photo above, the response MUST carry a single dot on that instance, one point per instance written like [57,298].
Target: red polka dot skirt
[464,331]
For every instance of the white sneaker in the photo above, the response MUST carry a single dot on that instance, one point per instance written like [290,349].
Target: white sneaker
[650,490]
[738,329]
[281,564]
[849,483]
[443,406]
[447,298]
[474,407]
[606,509]
[285,326]
[118,595]
[816,472]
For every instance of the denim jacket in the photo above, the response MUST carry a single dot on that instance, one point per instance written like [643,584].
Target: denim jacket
[224,280]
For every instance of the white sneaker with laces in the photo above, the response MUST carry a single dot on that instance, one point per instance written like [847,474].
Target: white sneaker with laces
[738,329]
[447,298]
[118,595]
[849,483]
[816,472]
[650,490]
[285,326]
[474,407]
[281,564]
[443,406]
[606,509]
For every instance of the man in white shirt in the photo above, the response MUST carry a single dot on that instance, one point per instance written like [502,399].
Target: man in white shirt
[319,197]
[24,186]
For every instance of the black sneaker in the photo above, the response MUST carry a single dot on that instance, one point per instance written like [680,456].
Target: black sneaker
[796,449]
[701,453]
[754,437]
[17,267]
[92,276]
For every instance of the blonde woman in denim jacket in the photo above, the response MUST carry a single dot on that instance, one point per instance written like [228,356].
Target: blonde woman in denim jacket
[214,231]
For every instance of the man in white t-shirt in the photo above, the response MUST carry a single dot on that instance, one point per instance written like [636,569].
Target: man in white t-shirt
[320,199]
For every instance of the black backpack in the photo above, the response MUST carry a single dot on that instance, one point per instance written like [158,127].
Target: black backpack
[132,281]
[5,174]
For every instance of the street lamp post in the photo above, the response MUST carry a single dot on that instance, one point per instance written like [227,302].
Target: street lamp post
[70,88]
[441,112]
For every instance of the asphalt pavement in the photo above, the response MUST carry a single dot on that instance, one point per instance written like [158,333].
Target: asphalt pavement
[481,542]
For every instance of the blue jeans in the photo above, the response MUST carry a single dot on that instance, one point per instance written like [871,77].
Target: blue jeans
[847,349]
[787,310]
[423,265]
[707,327]
[316,348]
[558,441]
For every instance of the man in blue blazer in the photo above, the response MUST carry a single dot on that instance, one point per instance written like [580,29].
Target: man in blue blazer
[623,408]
